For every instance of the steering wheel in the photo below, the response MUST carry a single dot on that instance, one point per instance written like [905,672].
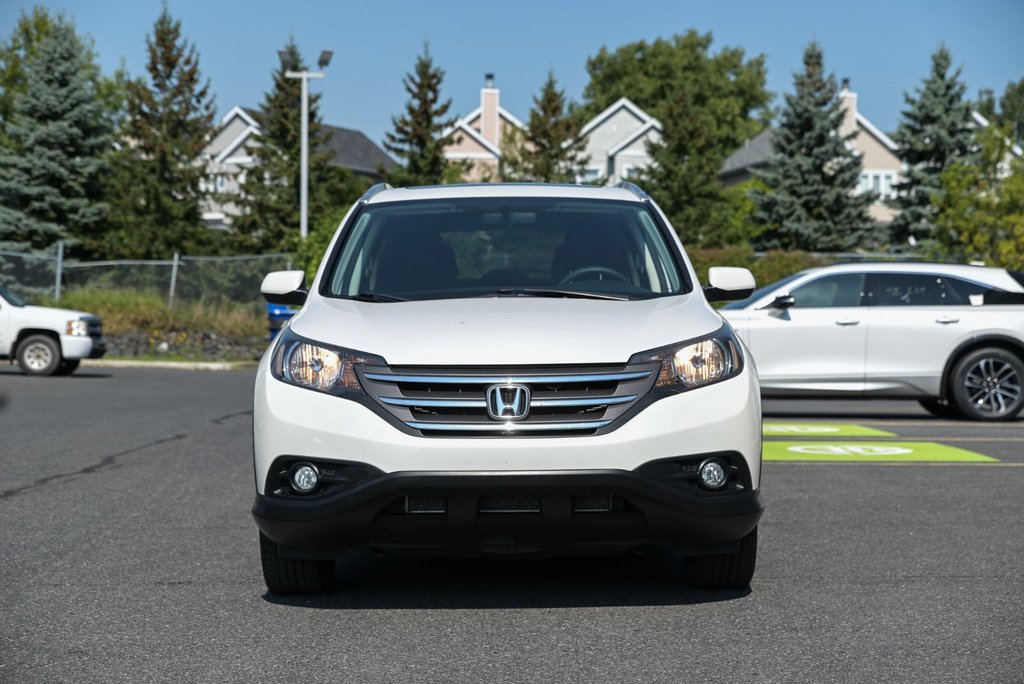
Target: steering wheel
[571,276]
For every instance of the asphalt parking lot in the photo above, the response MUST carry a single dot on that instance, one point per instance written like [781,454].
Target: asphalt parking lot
[127,554]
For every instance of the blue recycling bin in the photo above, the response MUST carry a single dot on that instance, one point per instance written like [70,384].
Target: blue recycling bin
[277,316]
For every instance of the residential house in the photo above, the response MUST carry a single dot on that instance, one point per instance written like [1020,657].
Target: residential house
[477,138]
[882,167]
[229,157]
[616,139]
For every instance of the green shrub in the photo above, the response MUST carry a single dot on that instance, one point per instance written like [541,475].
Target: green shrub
[127,310]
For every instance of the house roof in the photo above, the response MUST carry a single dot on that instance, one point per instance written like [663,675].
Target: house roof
[621,103]
[651,125]
[351,148]
[502,112]
[754,152]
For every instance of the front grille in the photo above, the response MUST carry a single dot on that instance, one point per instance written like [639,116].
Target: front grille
[453,401]
[94,327]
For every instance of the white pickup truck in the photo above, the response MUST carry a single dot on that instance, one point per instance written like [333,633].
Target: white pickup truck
[46,340]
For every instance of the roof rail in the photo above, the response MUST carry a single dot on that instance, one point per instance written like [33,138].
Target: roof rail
[368,195]
[633,188]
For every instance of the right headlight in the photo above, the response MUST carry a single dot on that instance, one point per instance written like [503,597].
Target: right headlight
[318,366]
[696,363]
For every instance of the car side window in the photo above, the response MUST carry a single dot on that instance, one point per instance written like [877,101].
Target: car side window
[841,289]
[912,289]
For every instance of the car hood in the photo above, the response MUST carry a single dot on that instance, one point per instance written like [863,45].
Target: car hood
[45,315]
[506,330]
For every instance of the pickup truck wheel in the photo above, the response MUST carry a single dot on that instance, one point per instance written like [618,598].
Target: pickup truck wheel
[940,408]
[988,384]
[724,570]
[39,355]
[293,575]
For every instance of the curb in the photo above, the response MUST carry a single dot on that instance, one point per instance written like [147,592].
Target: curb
[170,365]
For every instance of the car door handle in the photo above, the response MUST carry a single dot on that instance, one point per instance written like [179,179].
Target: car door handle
[946,320]
[847,321]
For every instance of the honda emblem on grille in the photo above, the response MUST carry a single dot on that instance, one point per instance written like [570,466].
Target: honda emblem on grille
[508,402]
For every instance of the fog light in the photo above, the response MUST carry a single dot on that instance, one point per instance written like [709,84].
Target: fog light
[305,478]
[712,474]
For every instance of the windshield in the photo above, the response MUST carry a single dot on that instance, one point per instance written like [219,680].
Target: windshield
[12,299]
[762,291]
[472,247]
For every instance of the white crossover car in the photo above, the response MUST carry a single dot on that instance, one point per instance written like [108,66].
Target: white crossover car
[950,336]
[506,369]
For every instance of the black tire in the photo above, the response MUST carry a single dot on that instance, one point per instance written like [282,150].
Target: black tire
[724,570]
[940,408]
[67,367]
[988,384]
[39,355]
[294,575]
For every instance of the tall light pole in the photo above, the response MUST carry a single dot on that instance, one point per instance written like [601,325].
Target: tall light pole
[304,76]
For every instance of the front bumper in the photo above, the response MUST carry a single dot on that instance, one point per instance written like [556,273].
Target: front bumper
[370,514]
[80,347]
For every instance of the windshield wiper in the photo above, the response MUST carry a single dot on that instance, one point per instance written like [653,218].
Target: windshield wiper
[539,292]
[377,297]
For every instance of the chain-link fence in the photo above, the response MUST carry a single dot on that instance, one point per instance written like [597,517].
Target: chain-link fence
[183,278]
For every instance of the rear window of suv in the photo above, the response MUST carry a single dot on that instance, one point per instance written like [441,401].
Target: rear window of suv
[451,248]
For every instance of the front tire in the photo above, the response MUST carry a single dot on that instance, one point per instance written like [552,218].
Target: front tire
[724,570]
[39,355]
[286,576]
[988,384]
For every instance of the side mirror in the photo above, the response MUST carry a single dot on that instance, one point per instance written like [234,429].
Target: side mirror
[782,302]
[285,287]
[727,283]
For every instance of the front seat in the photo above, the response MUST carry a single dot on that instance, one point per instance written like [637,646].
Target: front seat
[415,260]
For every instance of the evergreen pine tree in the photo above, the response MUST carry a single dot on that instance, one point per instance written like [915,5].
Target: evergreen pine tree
[934,132]
[53,159]
[1011,110]
[418,135]
[550,150]
[270,188]
[809,202]
[155,190]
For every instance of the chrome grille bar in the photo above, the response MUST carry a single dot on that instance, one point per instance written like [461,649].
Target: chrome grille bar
[493,379]
[536,403]
[581,402]
[509,427]
[435,403]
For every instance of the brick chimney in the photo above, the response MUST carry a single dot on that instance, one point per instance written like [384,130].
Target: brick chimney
[848,101]
[490,123]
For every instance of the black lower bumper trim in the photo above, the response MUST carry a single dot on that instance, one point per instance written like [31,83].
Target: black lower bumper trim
[366,515]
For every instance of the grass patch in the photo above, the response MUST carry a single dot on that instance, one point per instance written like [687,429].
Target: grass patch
[125,311]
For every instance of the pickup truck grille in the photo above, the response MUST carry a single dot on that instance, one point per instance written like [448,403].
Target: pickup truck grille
[453,402]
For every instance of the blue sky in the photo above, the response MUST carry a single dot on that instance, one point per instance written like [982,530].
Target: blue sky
[883,47]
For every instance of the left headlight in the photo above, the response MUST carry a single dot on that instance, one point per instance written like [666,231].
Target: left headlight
[317,366]
[78,327]
[696,363]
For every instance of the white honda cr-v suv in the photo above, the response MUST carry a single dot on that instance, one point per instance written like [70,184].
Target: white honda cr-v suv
[506,369]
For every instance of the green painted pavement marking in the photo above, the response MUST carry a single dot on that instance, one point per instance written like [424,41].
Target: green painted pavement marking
[882,452]
[821,430]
